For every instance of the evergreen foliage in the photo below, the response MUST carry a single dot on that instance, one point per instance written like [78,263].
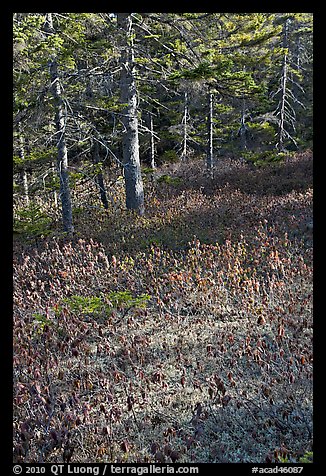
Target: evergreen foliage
[236,56]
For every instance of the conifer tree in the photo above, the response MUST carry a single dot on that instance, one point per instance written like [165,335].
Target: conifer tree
[128,94]
[62,153]
[208,83]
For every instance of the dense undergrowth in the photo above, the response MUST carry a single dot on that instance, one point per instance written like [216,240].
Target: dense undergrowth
[181,336]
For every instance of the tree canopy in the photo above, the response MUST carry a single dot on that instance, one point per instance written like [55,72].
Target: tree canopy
[260,82]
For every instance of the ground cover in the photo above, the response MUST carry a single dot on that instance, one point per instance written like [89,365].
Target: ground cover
[181,336]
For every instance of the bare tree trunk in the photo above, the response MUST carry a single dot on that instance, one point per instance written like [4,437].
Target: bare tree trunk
[60,120]
[99,176]
[23,172]
[184,120]
[243,131]
[55,195]
[210,152]
[281,127]
[153,166]
[62,157]
[128,96]
[25,185]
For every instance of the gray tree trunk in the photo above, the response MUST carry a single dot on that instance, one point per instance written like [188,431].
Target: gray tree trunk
[60,120]
[25,185]
[210,151]
[23,172]
[184,120]
[243,131]
[62,157]
[153,166]
[128,96]
[281,134]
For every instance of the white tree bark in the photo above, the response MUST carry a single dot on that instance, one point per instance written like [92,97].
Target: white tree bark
[281,134]
[184,120]
[210,151]
[153,166]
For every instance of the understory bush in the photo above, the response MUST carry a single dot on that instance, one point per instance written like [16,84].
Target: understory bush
[180,350]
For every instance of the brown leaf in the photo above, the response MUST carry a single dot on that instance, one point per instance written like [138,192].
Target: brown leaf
[67,453]
[199,409]
[101,451]
[266,391]
[159,456]
[130,402]
[54,435]
[154,447]
[209,349]
[174,455]
[225,400]
[125,446]
[167,449]
[106,430]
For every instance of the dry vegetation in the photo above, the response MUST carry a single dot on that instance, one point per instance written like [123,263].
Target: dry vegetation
[181,336]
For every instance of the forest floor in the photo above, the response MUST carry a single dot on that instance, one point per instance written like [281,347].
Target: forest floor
[181,336]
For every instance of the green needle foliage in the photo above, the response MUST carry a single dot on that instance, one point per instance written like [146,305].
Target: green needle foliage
[104,305]
[32,221]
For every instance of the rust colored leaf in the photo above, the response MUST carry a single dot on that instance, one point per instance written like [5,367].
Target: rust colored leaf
[125,446]
[174,455]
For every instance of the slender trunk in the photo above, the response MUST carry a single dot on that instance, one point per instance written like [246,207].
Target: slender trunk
[60,120]
[185,116]
[62,157]
[55,195]
[48,24]
[152,142]
[280,133]
[99,176]
[281,127]
[210,152]
[128,96]
[243,128]
[23,172]
[297,60]
[25,185]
